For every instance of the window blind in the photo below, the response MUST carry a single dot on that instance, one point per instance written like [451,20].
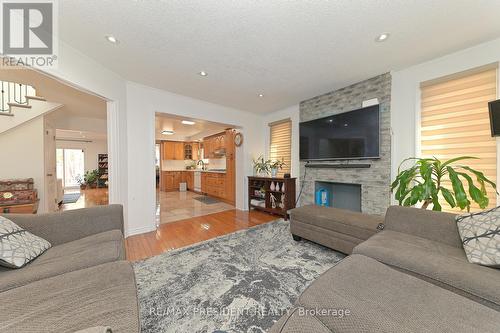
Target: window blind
[455,122]
[281,144]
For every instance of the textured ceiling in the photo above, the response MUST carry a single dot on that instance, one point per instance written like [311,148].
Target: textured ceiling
[288,50]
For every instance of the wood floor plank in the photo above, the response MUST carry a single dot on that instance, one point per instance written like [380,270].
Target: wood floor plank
[182,233]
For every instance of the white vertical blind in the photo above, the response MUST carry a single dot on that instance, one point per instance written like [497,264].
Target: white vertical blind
[455,122]
[281,144]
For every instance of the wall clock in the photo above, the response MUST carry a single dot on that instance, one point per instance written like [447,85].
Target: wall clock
[238,139]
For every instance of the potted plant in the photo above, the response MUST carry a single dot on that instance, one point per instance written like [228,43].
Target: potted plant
[275,166]
[90,178]
[261,167]
[428,178]
[81,182]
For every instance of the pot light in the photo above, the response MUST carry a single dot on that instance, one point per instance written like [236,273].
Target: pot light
[188,122]
[261,95]
[203,73]
[167,132]
[112,39]
[382,37]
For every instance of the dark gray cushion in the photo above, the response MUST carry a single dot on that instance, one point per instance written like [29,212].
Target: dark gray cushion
[83,253]
[437,226]
[442,264]
[103,295]
[358,225]
[68,226]
[381,299]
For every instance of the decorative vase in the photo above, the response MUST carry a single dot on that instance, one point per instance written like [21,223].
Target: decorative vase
[277,189]
[273,201]
[272,188]
[274,172]
[283,188]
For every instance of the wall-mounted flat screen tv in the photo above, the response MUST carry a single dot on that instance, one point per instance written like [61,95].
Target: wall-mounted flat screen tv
[350,135]
[495,117]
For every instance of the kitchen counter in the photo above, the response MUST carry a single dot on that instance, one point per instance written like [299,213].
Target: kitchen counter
[205,171]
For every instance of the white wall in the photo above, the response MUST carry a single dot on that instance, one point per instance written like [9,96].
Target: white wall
[22,155]
[91,149]
[142,104]
[83,72]
[405,105]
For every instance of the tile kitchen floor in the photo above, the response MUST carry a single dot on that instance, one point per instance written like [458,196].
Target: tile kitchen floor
[174,206]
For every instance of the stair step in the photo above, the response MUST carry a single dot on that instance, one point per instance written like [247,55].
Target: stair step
[38,98]
[8,114]
[25,106]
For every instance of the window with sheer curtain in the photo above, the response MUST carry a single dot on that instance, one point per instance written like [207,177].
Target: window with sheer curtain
[280,147]
[455,121]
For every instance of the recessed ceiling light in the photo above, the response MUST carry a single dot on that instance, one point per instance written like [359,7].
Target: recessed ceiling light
[188,122]
[261,95]
[203,73]
[112,39]
[167,132]
[382,37]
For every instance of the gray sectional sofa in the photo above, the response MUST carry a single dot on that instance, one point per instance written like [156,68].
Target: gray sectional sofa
[81,282]
[411,277]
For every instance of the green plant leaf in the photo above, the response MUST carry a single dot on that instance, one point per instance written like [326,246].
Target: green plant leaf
[458,188]
[453,160]
[476,194]
[448,196]
[480,176]
[435,203]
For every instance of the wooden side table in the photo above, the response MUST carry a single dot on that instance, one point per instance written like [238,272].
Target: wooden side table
[29,208]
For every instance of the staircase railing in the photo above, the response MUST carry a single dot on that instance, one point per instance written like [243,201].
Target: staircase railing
[14,93]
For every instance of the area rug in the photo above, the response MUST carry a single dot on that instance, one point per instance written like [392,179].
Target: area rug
[207,200]
[70,198]
[242,282]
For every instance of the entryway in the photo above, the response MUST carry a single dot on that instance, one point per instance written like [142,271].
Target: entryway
[195,168]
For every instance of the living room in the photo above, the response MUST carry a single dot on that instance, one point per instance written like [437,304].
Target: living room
[329,101]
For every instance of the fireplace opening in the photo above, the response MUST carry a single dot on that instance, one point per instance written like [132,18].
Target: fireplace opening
[338,195]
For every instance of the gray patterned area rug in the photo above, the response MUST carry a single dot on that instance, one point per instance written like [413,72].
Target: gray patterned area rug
[242,282]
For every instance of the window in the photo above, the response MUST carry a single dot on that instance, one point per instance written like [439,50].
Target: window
[455,121]
[70,166]
[280,147]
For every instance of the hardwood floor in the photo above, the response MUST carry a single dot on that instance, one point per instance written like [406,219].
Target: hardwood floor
[178,234]
[89,198]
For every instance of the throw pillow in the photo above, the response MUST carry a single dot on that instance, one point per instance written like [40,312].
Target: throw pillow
[480,234]
[18,246]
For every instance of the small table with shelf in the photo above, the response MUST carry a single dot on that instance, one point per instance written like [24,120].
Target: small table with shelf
[267,194]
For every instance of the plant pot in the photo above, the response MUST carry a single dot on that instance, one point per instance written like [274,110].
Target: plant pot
[93,185]
[274,172]
[83,187]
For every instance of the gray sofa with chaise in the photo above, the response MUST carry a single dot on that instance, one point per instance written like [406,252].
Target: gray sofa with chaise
[81,282]
[413,276]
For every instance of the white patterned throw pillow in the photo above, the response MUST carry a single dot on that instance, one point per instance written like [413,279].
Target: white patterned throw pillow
[480,234]
[18,246]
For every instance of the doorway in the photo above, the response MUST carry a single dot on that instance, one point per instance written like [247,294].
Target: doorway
[70,167]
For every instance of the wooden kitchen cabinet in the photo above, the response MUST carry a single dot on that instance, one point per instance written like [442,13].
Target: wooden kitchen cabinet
[188,178]
[171,180]
[178,150]
[168,150]
[173,150]
[214,184]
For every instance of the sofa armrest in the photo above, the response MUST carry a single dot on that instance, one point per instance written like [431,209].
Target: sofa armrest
[436,226]
[63,227]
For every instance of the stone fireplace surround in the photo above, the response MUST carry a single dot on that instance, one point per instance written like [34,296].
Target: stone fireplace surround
[375,180]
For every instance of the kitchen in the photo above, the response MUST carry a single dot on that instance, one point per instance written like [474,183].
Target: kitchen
[195,168]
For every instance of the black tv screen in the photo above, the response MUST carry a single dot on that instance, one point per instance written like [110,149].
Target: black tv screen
[349,135]
[495,117]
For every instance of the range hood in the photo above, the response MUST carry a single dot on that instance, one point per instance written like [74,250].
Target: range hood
[221,152]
